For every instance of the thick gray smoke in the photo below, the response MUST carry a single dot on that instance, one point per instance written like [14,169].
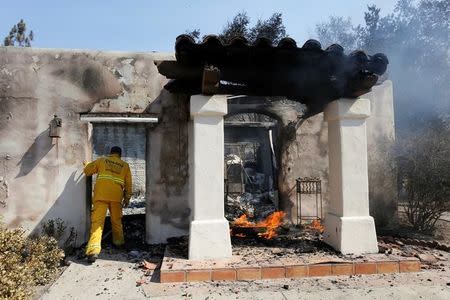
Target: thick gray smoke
[415,37]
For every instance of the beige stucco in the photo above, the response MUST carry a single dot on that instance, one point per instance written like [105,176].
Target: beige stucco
[43,177]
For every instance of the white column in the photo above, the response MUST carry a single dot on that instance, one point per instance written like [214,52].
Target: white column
[348,226]
[209,230]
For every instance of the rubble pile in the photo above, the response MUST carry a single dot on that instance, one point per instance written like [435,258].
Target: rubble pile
[255,205]
[430,252]
[385,241]
[136,206]
[134,231]
[255,197]
[291,243]
[305,244]
[26,262]
[149,268]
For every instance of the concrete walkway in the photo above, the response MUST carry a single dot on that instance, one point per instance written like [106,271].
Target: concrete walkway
[398,293]
[115,278]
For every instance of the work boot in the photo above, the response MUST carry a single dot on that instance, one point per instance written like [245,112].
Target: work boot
[92,258]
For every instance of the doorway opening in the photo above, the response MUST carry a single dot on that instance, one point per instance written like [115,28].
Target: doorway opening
[131,138]
[251,165]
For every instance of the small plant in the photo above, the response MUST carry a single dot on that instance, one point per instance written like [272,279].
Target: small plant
[54,228]
[57,228]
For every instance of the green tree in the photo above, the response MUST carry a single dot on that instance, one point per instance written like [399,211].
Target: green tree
[18,36]
[271,28]
[236,27]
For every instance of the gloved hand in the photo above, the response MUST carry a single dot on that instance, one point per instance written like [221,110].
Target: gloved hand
[125,202]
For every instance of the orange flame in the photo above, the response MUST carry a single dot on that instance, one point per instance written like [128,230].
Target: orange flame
[316,225]
[271,223]
[243,222]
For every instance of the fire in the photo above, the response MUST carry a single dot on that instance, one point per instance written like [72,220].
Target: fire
[316,225]
[271,223]
[243,222]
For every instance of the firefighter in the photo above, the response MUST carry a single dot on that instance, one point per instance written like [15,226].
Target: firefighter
[112,191]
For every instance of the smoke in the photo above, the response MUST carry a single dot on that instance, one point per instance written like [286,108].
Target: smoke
[415,37]
[419,67]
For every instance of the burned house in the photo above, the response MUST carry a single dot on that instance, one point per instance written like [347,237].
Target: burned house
[178,119]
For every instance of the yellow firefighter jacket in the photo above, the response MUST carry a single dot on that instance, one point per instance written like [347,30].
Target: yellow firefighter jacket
[113,178]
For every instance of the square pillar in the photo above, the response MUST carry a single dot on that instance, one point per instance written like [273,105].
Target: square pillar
[209,230]
[348,226]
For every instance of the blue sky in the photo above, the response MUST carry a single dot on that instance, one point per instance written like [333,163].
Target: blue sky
[138,25]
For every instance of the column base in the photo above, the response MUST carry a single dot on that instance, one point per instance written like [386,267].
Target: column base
[209,239]
[351,235]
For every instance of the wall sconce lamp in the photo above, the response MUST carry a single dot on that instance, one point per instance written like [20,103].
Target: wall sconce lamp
[55,127]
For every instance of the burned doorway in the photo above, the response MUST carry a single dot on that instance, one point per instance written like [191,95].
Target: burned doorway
[131,137]
[251,165]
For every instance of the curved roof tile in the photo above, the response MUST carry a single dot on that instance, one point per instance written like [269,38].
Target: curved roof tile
[309,74]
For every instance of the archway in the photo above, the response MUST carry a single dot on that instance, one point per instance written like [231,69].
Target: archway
[251,163]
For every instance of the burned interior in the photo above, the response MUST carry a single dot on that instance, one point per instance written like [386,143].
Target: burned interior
[250,164]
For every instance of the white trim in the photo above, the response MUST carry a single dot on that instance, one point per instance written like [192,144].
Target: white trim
[98,119]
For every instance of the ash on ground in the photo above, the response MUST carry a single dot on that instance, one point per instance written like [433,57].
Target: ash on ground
[134,233]
[290,243]
[135,249]
[305,245]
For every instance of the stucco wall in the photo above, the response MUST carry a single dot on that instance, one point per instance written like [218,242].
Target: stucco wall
[43,180]
[307,156]
[168,211]
[380,140]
